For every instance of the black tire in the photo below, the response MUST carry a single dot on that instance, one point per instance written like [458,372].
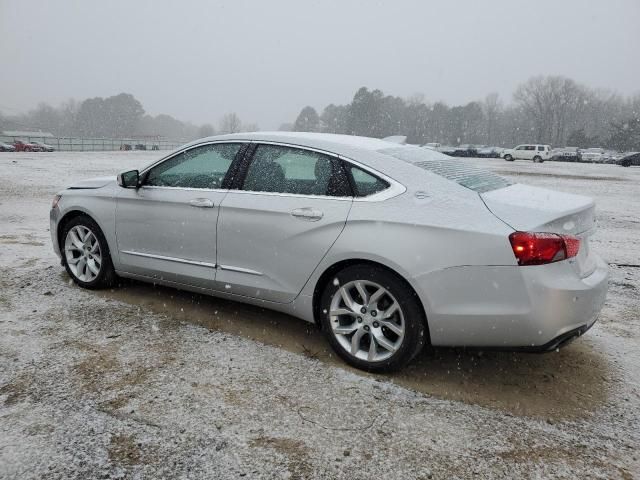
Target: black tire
[537,159]
[106,276]
[415,325]
[508,158]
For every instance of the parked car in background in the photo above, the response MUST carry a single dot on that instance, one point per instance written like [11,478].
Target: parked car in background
[44,147]
[489,152]
[447,150]
[629,159]
[292,222]
[566,154]
[594,155]
[467,150]
[125,146]
[140,146]
[611,156]
[536,152]
[5,147]
[432,145]
[22,146]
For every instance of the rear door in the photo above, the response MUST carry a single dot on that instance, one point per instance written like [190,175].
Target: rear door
[167,228]
[288,209]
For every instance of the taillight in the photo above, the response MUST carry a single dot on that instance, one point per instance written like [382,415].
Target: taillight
[56,199]
[536,248]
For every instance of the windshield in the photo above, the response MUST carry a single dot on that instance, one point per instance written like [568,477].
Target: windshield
[473,178]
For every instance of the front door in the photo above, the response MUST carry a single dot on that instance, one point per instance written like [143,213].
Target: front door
[276,228]
[166,229]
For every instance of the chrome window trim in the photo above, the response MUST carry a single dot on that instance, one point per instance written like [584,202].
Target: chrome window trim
[239,270]
[189,147]
[170,259]
[395,188]
[295,195]
[162,187]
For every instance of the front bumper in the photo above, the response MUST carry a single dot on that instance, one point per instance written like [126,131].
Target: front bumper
[530,308]
[54,217]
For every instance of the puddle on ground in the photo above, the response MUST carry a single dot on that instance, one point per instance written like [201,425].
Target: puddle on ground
[562,385]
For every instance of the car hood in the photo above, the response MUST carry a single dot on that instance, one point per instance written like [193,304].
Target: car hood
[97,182]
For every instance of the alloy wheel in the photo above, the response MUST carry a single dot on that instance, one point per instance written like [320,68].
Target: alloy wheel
[367,320]
[82,253]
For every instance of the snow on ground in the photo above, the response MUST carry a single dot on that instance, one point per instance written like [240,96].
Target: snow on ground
[144,382]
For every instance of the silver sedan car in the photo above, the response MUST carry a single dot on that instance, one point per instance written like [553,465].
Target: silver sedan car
[386,247]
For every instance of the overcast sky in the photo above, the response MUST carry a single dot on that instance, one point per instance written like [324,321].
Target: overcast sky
[265,60]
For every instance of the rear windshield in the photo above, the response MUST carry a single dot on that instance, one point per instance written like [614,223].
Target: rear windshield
[469,176]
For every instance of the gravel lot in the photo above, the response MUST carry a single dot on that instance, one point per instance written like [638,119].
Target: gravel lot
[144,382]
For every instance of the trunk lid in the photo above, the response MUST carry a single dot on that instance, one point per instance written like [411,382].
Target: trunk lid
[534,209]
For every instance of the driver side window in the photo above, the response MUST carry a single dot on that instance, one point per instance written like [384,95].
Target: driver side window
[200,167]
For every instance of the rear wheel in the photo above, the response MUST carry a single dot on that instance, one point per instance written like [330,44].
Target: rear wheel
[85,254]
[372,318]
[508,158]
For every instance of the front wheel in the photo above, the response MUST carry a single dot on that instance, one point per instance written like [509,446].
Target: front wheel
[372,318]
[508,158]
[85,254]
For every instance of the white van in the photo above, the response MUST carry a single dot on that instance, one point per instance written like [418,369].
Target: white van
[537,153]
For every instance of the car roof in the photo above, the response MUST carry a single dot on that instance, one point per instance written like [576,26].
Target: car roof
[332,142]
[365,150]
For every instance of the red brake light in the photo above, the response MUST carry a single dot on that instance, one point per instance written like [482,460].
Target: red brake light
[537,248]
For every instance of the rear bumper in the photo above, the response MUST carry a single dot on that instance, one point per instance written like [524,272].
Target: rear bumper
[558,342]
[534,308]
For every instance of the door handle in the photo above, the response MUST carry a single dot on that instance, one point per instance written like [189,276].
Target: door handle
[307,214]
[201,203]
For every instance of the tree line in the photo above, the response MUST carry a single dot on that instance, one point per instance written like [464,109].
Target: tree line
[553,110]
[118,116]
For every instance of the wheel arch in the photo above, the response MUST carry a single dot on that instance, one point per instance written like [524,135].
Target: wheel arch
[333,269]
[74,213]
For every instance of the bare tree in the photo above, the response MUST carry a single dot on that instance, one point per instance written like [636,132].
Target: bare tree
[491,109]
[230,123]
[552,103]
[206,130]
[307,121]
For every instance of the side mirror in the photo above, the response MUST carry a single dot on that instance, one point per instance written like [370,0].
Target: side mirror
[130,179]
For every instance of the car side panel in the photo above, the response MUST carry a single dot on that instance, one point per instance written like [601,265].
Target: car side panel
[99,204]
[427,244]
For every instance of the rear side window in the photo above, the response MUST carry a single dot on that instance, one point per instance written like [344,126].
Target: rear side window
[464,174]
[541,149]
[365,183]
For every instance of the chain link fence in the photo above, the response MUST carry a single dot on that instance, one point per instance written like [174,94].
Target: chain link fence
[78,144]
